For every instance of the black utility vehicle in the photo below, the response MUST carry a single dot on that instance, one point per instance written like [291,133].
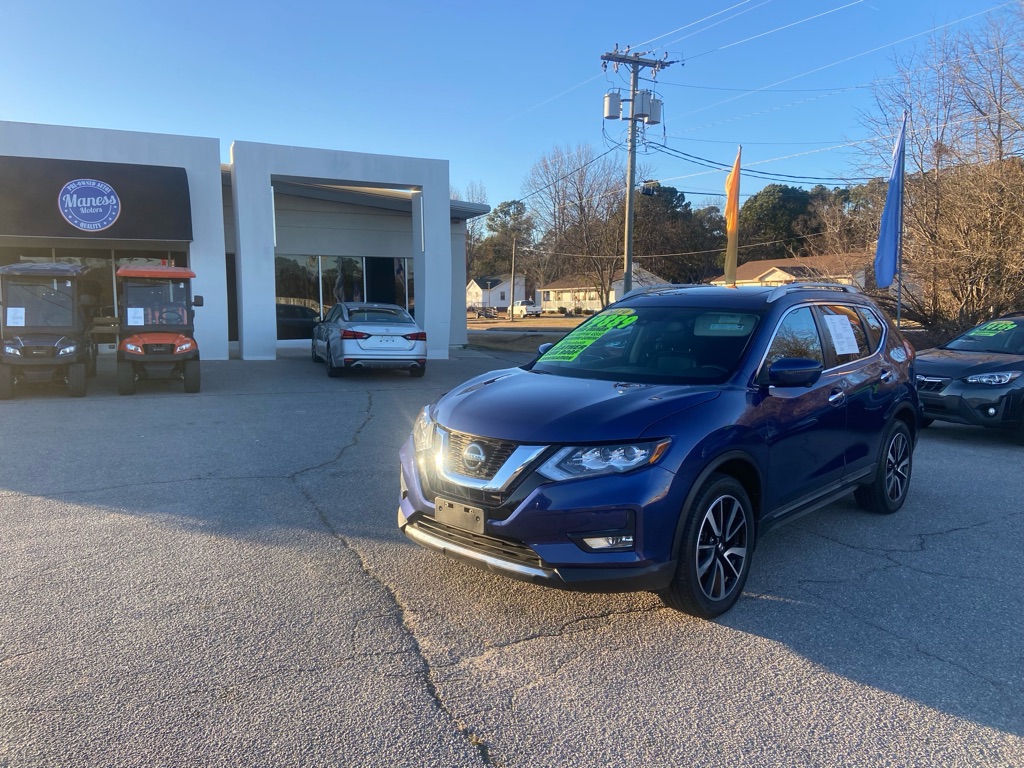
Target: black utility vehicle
[45,325]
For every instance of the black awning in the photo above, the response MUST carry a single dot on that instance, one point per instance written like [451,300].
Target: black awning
[40,197]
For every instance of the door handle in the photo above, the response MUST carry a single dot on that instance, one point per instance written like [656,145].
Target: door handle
[888,375]
[837,397]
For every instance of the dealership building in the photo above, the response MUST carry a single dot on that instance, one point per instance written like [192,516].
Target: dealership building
[276,228]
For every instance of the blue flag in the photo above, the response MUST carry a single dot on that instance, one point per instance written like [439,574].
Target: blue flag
[887,252]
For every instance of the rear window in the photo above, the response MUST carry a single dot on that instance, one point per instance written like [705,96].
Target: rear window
[684,345]
[379,315]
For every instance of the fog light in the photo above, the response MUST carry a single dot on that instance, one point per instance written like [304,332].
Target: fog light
[991,411]
[609,542]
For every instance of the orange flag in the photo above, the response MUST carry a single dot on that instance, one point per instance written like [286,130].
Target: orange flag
[732,219]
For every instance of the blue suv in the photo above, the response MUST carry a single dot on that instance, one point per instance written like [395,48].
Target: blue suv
[653,445]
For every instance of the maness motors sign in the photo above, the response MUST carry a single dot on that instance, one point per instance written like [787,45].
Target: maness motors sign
[89,205]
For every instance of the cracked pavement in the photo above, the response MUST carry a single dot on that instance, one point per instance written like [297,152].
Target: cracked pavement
[217,579]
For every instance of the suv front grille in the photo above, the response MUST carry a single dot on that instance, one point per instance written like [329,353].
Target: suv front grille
[503,549]
[158,349]
[932,383]
[38,351]
[495,451]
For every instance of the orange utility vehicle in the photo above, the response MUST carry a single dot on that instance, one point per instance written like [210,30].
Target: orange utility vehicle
[157,327]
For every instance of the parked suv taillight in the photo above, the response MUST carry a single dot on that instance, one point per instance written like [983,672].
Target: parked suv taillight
[349,334]
[421,336]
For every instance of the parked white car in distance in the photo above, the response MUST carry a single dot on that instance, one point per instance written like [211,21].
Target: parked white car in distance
[524,309]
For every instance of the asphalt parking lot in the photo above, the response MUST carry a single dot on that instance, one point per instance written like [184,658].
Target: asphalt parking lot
[217,580]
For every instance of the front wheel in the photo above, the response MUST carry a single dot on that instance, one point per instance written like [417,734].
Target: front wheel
[888,490]
[715,552]
[76,380]
[125,378]
[6,382]
[192,376]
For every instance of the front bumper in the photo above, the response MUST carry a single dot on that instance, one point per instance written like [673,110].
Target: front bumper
[532,536]
[975,404]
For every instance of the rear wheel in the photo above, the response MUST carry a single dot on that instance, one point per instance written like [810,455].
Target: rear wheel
[888,491]
[334,371]
[192,379]
[6,383]
[714,555]
[76,380]
[316,357]
[125,378]
[418,371]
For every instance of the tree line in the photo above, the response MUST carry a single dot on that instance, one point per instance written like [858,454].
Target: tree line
[963,233]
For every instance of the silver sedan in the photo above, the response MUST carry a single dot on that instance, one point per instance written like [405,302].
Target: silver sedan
[369,336]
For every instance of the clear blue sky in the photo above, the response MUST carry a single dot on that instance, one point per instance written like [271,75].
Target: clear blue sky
[491,87]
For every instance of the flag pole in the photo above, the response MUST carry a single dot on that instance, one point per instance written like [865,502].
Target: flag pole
[899,238]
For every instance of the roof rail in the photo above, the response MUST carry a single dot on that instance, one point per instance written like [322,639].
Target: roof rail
[782,290]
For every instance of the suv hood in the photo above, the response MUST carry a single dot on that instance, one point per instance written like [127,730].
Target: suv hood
[42,339]
[956,363]
[525,407]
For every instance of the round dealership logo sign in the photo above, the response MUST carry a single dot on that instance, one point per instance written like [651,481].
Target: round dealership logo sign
[89,205]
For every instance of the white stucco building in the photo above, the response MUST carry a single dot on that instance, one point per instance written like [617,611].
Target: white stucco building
[276,225]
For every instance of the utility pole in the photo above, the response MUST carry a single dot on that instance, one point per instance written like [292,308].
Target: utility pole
[647,109]
[512,306]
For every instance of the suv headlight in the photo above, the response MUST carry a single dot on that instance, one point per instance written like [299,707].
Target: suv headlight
[593,460]
[9,350]
[993,379]
[423,431]
[185,346]
[70,349]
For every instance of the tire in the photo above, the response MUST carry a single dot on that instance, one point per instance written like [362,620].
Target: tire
[418,371]
[332,370]
[316,357]
[715,551]
[76,380]
[6,383]
[888,490]
[192,376]
[125,378]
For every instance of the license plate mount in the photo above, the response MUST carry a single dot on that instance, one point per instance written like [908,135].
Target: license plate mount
[459,515]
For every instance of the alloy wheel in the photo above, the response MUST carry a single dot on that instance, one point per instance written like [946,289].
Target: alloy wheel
[897,467]
[721,547]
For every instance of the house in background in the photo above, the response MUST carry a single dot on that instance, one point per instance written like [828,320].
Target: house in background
[578,293]
[846,268]
[494,291]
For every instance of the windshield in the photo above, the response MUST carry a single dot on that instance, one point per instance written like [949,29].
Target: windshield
[155,302]
[45,303]
[1006,336]
[655,345]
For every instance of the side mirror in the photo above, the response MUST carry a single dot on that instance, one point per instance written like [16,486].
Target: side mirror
[544,348]
[794,372]
[197,301]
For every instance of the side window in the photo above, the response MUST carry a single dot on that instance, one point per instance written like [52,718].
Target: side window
[874,327]
[844,333]
[334,315]
[797,336]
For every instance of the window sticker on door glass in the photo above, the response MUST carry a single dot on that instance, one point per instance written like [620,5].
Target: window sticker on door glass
[136,316]
[569,348]
[993,329]
[16,316]
[841,331]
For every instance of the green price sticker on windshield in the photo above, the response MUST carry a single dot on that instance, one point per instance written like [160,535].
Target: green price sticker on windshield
[569,348]
[993,329]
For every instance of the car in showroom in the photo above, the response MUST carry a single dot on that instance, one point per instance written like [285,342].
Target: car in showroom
[977,378]
[295,321]
[366,335]
[653,445]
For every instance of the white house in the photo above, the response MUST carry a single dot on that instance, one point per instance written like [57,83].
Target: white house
[276,225]
[847,268]
[494,291]
[579,292]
